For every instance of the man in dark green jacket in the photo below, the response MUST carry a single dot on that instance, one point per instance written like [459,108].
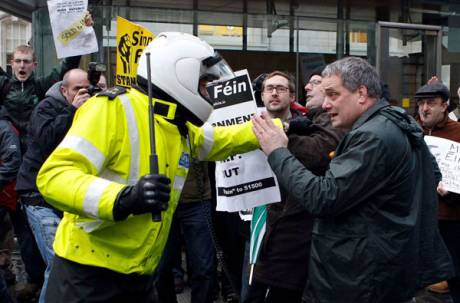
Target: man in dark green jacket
[376,237]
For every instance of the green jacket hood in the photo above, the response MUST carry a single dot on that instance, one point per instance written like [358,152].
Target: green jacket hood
[406,123]
[398,116]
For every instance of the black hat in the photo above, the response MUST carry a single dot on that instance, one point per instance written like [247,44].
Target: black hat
[431,90]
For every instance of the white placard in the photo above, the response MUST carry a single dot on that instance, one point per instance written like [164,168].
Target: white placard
[447,154]
[71,36]
[242,181]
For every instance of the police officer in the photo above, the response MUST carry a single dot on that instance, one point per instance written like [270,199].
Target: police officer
[107,245]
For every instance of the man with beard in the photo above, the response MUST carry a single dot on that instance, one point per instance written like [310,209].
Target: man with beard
[281,269]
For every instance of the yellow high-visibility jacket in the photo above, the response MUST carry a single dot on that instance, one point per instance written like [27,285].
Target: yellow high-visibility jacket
[108,147]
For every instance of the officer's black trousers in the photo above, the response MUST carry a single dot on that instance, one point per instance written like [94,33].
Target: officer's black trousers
[70,282]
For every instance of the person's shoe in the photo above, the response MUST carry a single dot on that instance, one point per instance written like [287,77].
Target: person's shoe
[179,285]
[439,288]
[27,292]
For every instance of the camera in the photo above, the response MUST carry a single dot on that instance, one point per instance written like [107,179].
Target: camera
[95,69]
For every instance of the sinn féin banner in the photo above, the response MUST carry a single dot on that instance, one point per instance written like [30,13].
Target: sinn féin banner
[131,41]
[246,180]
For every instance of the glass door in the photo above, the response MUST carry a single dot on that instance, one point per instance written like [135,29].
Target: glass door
[407,55]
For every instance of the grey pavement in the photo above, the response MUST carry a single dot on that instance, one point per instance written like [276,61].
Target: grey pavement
[423,296]
[185,296]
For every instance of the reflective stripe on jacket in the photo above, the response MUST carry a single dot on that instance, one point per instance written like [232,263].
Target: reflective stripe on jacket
[108,147]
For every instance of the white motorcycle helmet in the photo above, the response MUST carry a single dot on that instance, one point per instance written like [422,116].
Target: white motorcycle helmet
[181,64]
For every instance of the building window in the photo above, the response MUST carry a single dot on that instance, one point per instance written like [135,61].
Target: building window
[14,32]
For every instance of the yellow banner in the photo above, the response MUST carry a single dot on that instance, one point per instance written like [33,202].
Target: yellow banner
[131,41]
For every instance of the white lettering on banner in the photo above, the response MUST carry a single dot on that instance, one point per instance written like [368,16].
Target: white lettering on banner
[447,154]
[229,88]
[246,180]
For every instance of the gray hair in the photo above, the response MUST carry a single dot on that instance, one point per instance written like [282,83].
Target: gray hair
[355,72]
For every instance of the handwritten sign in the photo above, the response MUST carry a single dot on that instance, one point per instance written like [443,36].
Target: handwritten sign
[447,154]
[73,31]
[71,36]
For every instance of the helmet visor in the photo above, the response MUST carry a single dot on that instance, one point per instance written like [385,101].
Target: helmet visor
[213,69]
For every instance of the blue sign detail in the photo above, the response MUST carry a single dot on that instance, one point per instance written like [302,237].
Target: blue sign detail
[184,160]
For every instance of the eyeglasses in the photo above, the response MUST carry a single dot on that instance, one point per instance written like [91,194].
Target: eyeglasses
[26,61]
[314,82]
[431,102]
[279,88]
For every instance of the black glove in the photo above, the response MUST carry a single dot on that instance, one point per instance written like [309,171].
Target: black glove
[149,195]
[299,125]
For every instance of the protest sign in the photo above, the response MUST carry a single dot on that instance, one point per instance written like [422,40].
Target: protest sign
[71,36]
[447,154]
[131,41]
[242,181]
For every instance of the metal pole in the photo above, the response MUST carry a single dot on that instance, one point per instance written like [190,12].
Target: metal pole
[156,216]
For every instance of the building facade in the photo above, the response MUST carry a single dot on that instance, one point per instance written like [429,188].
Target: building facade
[14,31]
[408,41]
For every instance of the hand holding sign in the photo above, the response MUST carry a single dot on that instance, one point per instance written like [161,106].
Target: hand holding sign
[71,25]
[89,19]
[447,154]
[441,189]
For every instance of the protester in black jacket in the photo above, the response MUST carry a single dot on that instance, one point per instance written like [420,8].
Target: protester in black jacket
[50,121]
[282,265]
[21,92]
[285,252]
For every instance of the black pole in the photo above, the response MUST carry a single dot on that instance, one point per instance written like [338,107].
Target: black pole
[156,216]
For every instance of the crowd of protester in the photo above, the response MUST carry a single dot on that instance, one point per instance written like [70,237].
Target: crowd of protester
[364,215]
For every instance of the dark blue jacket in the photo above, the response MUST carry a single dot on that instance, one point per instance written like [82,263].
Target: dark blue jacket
[49,123]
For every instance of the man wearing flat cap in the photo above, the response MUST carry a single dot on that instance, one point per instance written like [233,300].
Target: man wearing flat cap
[432,102]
